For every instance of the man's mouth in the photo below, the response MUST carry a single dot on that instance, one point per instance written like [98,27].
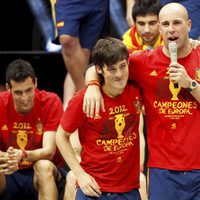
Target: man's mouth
[147,35]
[172,38]
[24,104]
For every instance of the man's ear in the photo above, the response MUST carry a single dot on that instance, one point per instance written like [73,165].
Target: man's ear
[189,24]
[7,87]
[158,25]
[98,69]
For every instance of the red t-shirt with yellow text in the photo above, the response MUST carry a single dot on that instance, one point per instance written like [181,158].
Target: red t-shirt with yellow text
[172,114]
[26,131]
[110,143]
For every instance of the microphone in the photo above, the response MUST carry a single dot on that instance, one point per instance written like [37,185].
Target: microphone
[173,55]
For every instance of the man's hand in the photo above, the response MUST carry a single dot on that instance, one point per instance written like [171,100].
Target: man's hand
[15,154]
[93,101]
[3,164]
[8,162]
[178,74]
[88,185]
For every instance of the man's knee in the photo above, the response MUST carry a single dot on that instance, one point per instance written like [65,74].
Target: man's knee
[44,169]
[68,42]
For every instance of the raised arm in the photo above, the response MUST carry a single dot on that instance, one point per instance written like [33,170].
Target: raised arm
[129,7]
[93,100]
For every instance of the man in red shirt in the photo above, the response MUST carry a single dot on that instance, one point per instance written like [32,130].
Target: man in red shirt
[110,141]
[28,122]
[171,94]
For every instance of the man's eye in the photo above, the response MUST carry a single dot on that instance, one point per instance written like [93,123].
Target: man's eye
[123,66]
[18,93]
[141,24]
[152,23]
[177,23]
[29,90]
[165,24]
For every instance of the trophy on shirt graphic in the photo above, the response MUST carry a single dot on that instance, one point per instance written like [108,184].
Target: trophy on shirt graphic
[119,125]
[174,89]
[22,139]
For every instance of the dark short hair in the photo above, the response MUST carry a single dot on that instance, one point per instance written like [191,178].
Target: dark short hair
[145,7]
[109,51]
[19,70]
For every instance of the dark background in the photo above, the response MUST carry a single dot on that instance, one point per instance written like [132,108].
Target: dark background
[21,37]
[18,26]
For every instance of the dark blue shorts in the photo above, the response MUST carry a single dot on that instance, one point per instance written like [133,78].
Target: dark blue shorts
[62,181]
[20,186]
[84,19]
[174,185]
[23,189]
[132,195]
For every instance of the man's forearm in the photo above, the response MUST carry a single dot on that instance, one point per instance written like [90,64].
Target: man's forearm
[65,147]
[196,93]
[91,74]
[47,150]
[129,7]
[38,154]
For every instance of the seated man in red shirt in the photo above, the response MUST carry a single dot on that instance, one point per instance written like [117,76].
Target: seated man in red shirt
[29,163]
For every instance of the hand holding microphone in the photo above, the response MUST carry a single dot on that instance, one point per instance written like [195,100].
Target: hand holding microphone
[173,55]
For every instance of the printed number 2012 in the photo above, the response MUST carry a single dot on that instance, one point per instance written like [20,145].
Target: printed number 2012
[21,125]
[118,109]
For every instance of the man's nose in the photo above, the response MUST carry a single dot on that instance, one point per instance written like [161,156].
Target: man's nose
[119,72]
[171,27]
[24,96]
[147,28]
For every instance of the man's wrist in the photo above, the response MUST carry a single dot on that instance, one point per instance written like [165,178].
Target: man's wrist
[93,82]
[192,86]
[24,155]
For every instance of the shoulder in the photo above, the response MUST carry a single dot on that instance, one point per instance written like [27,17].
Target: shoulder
[45,96]
[80,93]
[78,97]
[194,53]
[127,33]
[4,97]
[197,49]
[143,55]
[46,100]
[74,108]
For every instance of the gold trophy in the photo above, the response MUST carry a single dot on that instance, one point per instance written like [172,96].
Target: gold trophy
[174,89]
